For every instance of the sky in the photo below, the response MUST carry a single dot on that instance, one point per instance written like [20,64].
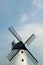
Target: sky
[26,17]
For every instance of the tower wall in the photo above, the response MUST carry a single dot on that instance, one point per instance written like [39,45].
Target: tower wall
[20,58]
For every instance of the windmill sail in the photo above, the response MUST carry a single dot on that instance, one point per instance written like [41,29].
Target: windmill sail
[15,33]
[30,39]
[32,58]
[11,55]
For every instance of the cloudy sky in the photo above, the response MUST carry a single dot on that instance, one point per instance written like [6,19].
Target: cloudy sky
[26,17]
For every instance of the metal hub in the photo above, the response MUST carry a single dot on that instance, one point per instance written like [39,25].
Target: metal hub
[19,45]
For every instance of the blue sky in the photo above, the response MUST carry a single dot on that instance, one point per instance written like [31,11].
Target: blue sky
[27,18]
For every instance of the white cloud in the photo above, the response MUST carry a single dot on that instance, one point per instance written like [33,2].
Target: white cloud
[31,28]
[33,14]
[34,1]
[24,17]
[38,4]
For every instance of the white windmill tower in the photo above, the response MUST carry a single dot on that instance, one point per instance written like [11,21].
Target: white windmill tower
[18,54]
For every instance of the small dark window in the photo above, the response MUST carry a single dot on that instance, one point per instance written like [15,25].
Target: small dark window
[21,51]
[22,60]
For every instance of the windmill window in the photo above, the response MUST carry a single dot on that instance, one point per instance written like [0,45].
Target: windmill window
[22,60]
[21,51]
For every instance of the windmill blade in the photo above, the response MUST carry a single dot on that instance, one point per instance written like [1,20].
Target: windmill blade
[13,53]
[15,33]
[32,37]
[32,58]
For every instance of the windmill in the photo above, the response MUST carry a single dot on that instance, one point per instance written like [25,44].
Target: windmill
[18,54]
